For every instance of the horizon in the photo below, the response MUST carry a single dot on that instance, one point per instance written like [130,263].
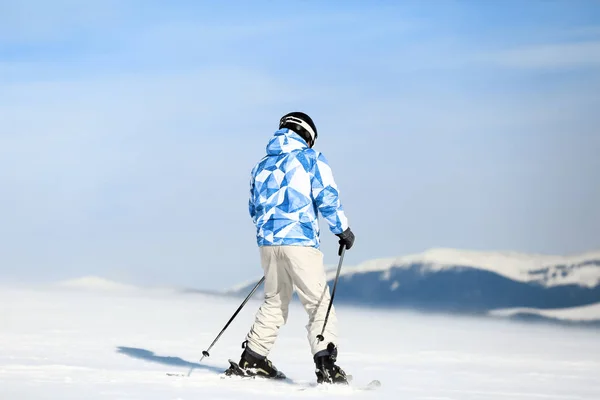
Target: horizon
[464,125]
[371,265]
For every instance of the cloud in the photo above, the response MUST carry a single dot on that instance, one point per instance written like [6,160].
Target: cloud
[589,31]
[549,56]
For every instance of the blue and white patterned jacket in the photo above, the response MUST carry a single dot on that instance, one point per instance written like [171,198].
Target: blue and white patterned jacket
[288,189]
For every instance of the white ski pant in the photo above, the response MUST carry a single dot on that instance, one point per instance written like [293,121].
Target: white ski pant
[286,267]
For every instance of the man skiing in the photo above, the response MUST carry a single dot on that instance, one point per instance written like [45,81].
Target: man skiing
[289,187]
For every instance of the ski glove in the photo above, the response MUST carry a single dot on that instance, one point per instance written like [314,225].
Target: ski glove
[347,239]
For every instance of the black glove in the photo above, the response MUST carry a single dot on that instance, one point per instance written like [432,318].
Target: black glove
[347,239]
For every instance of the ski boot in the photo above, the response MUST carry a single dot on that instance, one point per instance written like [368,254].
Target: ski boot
[325,368]
[254,365]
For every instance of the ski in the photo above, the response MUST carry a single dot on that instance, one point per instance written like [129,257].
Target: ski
[236,372]
[374,384]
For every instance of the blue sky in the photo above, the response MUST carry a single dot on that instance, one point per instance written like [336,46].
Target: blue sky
[128,129]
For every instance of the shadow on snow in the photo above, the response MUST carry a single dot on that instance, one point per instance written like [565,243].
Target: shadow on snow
[149,356]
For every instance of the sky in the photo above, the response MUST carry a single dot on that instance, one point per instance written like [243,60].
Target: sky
[128,129]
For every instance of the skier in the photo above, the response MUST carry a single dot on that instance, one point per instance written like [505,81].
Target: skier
[289,187]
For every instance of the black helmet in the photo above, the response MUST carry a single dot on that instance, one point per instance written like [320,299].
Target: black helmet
[300,123]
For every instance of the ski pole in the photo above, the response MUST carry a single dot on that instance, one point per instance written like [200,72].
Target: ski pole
[320,337]
[206,353]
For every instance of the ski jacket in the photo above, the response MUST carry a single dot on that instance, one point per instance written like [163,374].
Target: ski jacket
[289,187]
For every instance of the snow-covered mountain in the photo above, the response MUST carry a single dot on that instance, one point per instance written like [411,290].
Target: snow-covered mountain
[546,270]
[470,281]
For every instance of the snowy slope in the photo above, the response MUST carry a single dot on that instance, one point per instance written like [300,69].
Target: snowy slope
[585,313]
[113,344]
[547,270]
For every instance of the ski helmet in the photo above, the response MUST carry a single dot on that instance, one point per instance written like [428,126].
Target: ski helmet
[300,123]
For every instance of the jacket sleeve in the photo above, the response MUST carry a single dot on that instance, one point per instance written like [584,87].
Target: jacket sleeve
[251,207]
[326,195]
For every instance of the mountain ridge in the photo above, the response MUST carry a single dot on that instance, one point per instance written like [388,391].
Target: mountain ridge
[467,281]
[519,266]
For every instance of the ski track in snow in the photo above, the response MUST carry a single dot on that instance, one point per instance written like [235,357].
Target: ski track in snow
[69,343]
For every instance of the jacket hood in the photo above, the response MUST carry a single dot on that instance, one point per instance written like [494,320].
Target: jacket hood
[285,141]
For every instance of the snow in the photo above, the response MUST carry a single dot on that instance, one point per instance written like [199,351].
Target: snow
[513,265]
[59,343]
[96,283]
[589,312]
